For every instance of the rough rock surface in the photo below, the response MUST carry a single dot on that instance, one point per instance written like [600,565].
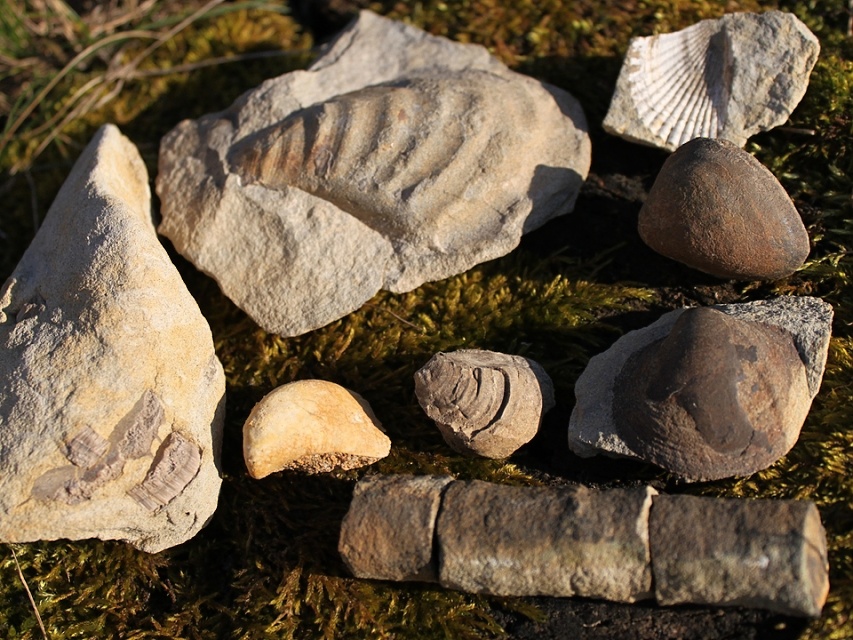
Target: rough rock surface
[593,429]
[545,541]
[484,402]
[717,397]
[312,426]
[447,157]
[112,403]
[717,209]
[388,531]
[757,553]
[727,78]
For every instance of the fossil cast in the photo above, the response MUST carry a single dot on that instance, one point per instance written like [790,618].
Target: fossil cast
[397,158]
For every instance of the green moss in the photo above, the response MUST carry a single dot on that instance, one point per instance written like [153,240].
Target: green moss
[267,565]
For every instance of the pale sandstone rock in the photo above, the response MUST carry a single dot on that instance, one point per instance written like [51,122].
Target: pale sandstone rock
[388,531]
[727,78]
[483,402]
[112,404]
[594,429]
[768,554]
[555,541]
[312,426]
[717,209]
[445,159]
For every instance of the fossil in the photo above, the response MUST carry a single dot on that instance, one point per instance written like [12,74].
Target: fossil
[428,156]
[136,431]
[177,462]
[97,460]
[311,426]
[717,397]
[693,83]
[397,158]
[484,402]
[86,448]
[715,208]
[681,82]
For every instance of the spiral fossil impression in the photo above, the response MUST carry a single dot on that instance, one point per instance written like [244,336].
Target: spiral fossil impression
[484,402]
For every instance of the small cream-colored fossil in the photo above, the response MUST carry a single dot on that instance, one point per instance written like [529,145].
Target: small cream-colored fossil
[312,426]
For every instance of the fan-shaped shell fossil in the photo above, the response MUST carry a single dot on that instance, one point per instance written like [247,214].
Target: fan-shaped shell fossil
[484,402]
[432,156]
[697,83]
[717,397]
[312,426]
[681,82]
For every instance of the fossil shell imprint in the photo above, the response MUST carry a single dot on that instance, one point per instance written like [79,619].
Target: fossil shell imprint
[86,448]
[397,158]
[727,78]
[680,83]
[484,402]
[717,397]
[429,157]
[175,465]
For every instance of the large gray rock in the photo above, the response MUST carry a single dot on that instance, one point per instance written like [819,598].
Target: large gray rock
[727,78]
[716,208]
[594,428]
[112,403]
[397,158]
[312,426]
[388,532]
[483,402]
[768,554]
[545,541]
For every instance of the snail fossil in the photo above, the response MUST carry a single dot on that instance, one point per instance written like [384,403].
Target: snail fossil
[484,402]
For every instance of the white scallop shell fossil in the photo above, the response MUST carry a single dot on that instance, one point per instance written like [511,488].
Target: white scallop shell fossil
[727,78]
[432,157]
[681,83]
[484,402]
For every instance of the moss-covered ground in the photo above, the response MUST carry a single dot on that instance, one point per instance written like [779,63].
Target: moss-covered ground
[267,565]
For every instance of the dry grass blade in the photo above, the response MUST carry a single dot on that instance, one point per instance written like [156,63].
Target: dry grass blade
[107,85]
[29,595]
[68,68]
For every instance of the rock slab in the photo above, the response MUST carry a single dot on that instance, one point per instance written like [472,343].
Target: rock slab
[397,158]
[557,541]
[483,402]
[388,531]
[594,429]
[112,407]
[312,426]
[728,78]
[768,554]
[717,209]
